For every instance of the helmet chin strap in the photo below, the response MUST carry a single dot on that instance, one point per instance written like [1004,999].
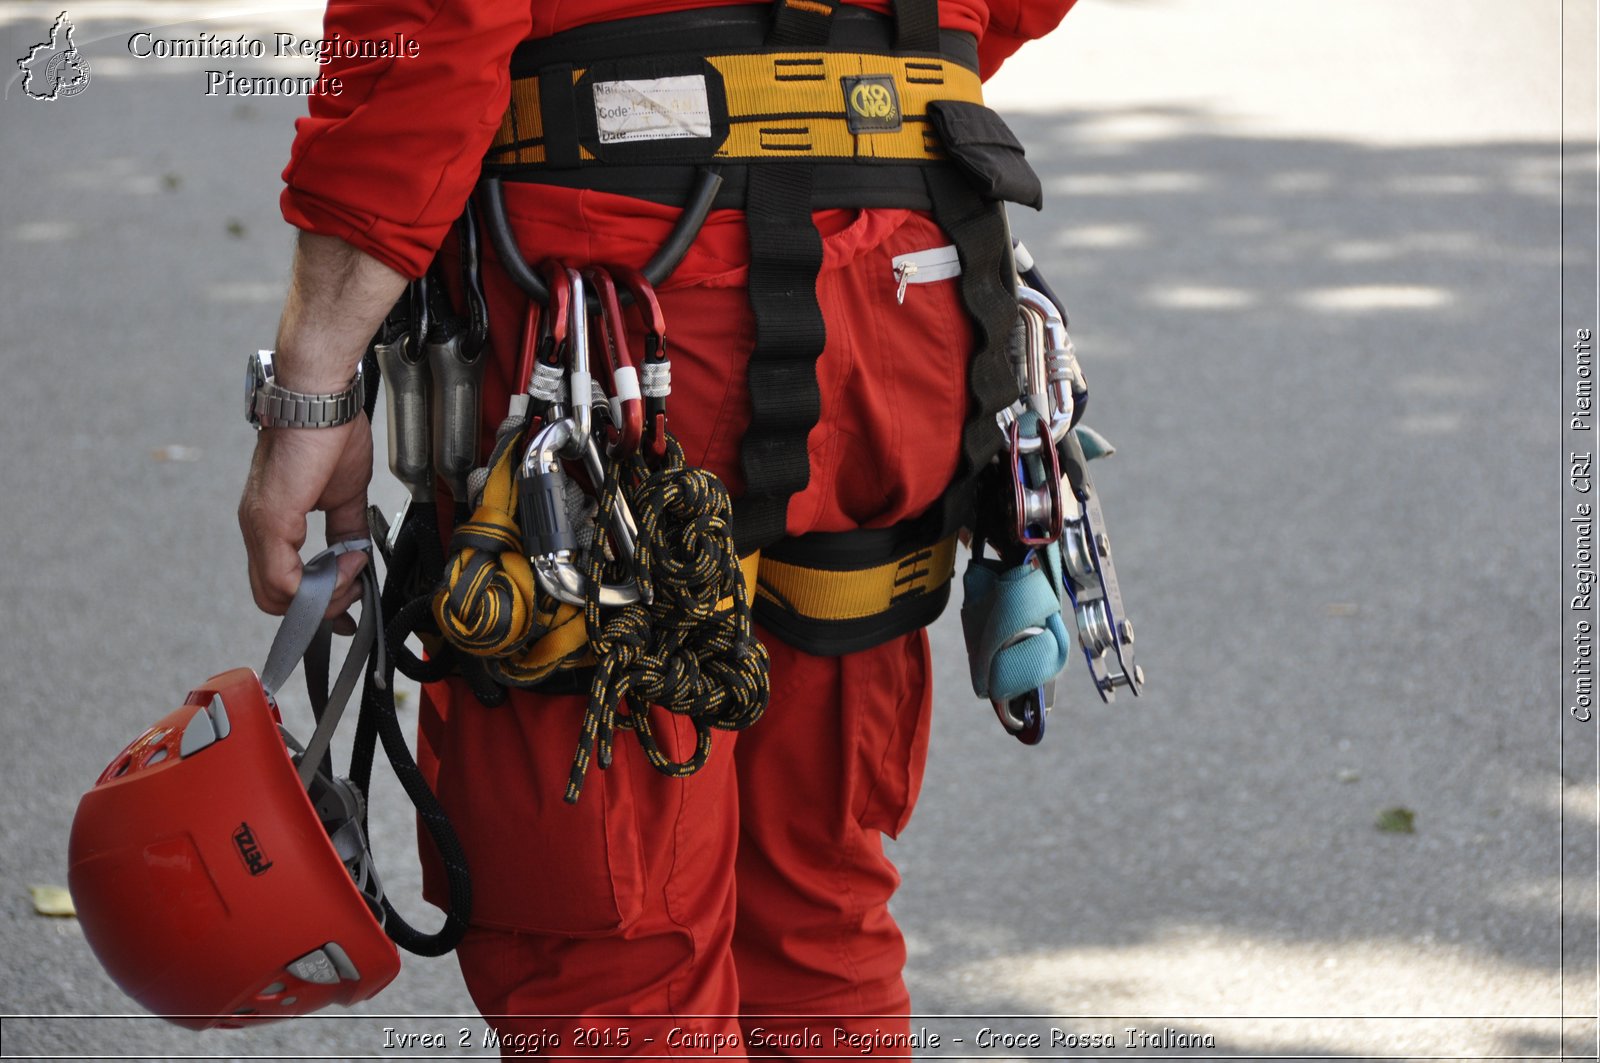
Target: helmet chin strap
[340,803]
[305,635]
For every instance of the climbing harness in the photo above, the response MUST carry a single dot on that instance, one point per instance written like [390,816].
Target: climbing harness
[221,869]
[777,111]
[781,111]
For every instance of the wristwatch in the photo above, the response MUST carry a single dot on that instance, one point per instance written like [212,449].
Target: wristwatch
[268,405]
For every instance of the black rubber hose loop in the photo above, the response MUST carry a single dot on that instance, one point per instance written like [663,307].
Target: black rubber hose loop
[491,195]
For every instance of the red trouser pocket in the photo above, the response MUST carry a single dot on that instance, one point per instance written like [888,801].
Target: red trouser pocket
[537,863]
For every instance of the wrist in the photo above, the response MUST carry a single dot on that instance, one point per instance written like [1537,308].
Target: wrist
[310,363]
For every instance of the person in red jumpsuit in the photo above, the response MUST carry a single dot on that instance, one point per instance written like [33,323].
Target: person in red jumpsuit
[745,907]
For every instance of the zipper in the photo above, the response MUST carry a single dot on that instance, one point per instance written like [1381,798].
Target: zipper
[924,267]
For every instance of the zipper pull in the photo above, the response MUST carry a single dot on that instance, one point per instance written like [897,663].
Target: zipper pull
[903,272]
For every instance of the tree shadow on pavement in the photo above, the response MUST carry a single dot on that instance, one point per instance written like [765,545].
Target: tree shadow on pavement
[1333,372]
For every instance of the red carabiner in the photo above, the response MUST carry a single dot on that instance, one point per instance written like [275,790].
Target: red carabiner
[530,348]
[623,375]
[544,342]
[553,322]
[657,381]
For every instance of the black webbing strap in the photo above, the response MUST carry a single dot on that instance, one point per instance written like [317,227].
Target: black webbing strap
[801,22]
[785,259]
[808,22]
[415,561]
[785,402]
[977,227]
[560,116]
[916,25]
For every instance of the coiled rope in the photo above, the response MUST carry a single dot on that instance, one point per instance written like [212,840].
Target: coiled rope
[488,604]
[687,645]
[691,650]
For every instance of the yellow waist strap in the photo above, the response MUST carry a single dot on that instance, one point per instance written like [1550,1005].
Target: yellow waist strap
[826,595]
[778,105]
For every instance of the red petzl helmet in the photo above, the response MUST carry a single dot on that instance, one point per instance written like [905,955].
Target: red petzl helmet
[210,887]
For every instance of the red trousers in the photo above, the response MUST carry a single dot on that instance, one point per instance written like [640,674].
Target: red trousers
[743,910]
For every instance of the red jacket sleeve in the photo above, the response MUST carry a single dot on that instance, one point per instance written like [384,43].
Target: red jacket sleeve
[1013,23]
[388,162]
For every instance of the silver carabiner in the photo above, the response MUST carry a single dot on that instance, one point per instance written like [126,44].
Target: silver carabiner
[1051,365]
[580,388]
[548,535]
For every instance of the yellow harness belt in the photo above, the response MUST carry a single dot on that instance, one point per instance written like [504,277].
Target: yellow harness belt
[763,105]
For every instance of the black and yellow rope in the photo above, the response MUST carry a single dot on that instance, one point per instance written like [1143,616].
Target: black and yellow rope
[687,645]
[690,649]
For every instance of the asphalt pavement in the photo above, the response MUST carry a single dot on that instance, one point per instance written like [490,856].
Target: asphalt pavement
[1324,263]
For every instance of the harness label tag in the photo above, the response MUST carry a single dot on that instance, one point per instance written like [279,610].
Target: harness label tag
[871,104]
[674,108]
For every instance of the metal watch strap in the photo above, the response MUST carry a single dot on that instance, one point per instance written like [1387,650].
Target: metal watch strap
[278,407]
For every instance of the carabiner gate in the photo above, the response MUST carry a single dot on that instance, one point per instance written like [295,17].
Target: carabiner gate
[626,407]
[656,369]
[548,537]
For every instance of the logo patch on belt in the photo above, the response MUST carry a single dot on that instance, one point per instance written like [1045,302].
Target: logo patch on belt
[871,104]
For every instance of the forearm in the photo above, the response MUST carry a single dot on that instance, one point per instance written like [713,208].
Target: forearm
[338,296]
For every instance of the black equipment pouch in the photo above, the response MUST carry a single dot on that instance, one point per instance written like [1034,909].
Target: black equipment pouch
[988,152]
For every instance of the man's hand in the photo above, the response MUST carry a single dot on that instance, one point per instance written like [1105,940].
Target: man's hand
[337,298]
[294,471]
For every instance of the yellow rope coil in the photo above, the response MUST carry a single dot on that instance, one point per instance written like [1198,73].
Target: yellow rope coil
[489,605]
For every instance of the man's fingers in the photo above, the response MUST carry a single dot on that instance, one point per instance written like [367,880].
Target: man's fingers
[292,473]
[275,576]
[347,590]
[347,519]
[274,564]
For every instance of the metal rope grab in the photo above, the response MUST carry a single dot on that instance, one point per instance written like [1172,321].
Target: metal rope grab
[658,269]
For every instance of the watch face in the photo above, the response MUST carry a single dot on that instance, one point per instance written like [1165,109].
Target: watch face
[257,373]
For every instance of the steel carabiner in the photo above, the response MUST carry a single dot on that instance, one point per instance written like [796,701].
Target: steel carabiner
[1052,369]
[548,536]
[580,383]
